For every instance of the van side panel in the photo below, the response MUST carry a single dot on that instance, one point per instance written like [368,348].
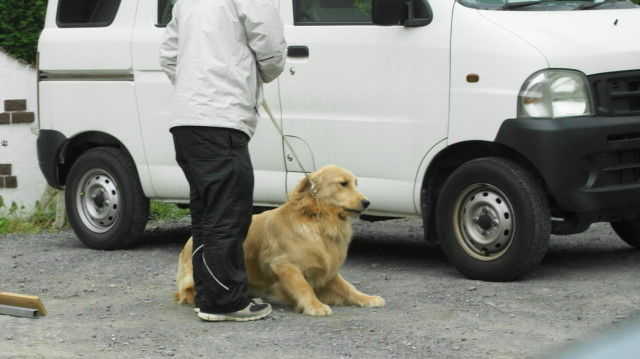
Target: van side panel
[502,62]
[88,48]
[87,83]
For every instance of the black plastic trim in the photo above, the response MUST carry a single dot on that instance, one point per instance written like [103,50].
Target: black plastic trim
[49,145]
[297,51]
[589,164]
[616,93]
[86,76]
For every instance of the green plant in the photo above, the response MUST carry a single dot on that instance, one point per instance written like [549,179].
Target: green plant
[15,221]
[163,211]
[20,25]
[4,225]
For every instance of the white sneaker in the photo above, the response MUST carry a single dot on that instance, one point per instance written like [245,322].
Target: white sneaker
[255,300]
[251,312]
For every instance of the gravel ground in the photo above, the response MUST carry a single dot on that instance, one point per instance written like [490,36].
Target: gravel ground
[119,304]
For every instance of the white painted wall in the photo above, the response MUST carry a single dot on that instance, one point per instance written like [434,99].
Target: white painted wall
[18,80]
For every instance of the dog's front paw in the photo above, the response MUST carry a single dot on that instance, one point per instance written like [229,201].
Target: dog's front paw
[318,309]
[372,301]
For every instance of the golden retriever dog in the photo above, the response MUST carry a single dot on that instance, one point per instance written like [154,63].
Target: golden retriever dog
[295,251]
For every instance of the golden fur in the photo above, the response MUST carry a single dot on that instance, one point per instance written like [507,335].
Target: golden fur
[296,251]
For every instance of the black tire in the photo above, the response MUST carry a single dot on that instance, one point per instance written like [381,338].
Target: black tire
[493,220]
[106,206]
[628,230]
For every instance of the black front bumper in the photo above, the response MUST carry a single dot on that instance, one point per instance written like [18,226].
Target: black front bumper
[591,165]
[50,145]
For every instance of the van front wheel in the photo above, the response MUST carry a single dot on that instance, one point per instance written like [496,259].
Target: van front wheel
[493,220]
[105,203]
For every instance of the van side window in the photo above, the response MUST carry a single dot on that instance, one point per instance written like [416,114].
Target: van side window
[87,13]
[164,11]
[332,12]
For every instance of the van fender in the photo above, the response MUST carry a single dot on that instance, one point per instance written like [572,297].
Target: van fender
[421,200]
[50,147]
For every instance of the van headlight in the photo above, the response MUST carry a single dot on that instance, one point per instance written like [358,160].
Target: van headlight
[553,94]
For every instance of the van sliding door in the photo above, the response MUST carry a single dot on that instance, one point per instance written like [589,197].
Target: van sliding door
[373,99]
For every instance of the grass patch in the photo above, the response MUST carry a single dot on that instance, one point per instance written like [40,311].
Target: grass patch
[14,219]
[163,211]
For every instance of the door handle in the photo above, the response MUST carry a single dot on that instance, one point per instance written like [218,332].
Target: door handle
[298,51]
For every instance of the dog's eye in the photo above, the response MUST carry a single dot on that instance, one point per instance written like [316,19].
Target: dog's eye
[344,184]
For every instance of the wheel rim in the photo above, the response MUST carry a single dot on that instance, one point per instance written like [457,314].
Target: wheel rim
[98,200]
[484,222]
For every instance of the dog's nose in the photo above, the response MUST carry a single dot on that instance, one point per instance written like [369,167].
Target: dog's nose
[365,203]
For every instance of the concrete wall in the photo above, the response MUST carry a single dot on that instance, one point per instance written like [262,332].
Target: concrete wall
[20,179]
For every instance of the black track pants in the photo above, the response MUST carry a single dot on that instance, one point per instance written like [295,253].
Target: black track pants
[217,165]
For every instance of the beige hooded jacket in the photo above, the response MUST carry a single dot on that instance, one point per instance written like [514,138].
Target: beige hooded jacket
[217,54]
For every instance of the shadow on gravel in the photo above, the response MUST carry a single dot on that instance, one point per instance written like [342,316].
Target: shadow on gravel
[580,257]
[171,234]
[399,252]
[398,246]
[390,248]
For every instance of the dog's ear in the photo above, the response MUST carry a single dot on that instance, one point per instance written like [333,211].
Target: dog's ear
[310,183]
[307,188]
[302,186]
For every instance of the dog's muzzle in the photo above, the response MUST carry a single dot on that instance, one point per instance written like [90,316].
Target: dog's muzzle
[364,203]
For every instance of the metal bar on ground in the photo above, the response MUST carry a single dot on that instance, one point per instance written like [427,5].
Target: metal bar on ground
[19,311]
[23,301]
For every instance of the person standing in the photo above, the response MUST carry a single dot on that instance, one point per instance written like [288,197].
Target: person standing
[218,54]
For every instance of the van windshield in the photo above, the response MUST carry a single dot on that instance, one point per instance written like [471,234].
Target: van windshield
[547,5]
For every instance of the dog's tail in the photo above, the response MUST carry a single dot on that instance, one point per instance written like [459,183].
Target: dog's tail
[186,288]
[186,295]
[184,278]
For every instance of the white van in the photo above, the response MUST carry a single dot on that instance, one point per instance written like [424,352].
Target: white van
[497,122]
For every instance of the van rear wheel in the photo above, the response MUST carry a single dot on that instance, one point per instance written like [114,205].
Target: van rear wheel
[105,203]
[493,220]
